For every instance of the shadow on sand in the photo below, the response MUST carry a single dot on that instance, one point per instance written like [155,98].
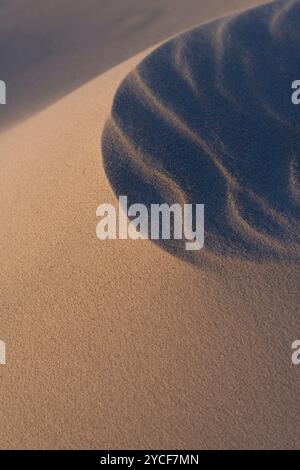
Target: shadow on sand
[208,118]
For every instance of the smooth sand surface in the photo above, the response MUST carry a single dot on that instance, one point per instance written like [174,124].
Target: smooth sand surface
[119,344]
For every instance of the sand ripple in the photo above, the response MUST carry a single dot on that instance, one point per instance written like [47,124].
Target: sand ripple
[208,118]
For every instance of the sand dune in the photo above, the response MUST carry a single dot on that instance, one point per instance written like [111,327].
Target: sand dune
[118,344]
[207,118]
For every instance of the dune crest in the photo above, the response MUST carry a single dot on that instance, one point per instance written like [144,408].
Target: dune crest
[208,118]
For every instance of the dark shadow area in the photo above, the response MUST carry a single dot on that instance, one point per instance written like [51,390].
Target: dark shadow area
[208,118]
[49,48]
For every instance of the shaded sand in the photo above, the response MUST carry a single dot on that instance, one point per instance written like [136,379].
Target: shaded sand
[48,49]
[118,344]
[207,118]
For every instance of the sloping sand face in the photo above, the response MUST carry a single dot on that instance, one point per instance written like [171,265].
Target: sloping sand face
[117,344]
[208,118]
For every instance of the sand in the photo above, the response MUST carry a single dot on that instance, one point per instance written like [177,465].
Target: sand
[122,344]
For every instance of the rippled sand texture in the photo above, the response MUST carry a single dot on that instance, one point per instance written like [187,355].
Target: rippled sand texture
[208,118]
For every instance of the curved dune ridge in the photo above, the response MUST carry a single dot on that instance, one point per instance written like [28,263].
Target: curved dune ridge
[208,118]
